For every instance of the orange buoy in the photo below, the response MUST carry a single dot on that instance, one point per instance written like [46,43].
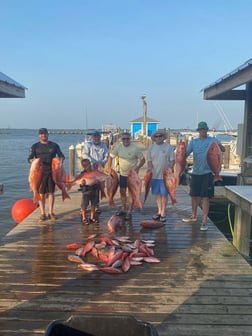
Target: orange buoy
[22,208]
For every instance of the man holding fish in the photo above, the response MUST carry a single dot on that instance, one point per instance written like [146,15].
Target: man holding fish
[97,153]
[41,179]
[131,159]
[160,157]
[207,159]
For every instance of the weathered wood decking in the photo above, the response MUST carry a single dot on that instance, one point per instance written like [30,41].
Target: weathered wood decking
[202,286]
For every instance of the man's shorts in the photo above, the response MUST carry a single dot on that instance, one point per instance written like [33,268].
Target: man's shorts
[123,181]
[158,188]
[202,185]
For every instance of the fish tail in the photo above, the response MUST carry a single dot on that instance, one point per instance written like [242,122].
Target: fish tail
[138,204]
[217,178]
[36,197]
[111,202]
[103,195]
[65,195]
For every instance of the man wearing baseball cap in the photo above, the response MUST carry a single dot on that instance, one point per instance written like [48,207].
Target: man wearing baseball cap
[201,184]
[46,150]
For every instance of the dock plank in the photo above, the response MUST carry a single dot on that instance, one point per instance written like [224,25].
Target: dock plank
[202,286]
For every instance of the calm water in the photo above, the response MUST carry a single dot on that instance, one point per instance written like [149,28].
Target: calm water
[14,167]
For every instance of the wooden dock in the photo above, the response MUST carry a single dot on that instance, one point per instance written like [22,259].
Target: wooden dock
[202,286]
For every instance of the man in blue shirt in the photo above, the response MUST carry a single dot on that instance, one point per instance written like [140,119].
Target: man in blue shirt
[201,185]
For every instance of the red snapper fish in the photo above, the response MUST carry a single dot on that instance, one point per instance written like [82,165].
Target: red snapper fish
[35,178]
[147,183]
[170,184]
[135,188]
[214,160]
[151,224]
[113,223]
[180,160]
[112,186]
[59,176]
[89,178]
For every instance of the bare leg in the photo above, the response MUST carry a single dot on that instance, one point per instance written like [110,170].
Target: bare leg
[92,212]
[123,198]
[163,206]
[42,204]
[159,204]
[205,208]
[131,205]
[50,203]
[195,201]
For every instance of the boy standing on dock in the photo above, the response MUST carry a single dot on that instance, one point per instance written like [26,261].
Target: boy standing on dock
[46,150]
[90,194]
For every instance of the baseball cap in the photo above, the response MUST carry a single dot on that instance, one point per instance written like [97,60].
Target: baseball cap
[96,133]
[43,130]
[202,125]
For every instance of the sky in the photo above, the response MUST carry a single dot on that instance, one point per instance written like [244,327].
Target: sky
[86,63]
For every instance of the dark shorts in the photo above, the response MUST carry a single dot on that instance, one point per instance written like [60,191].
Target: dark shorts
[90,194]
[158,188]
[123,181]
[202,185]
[47,185]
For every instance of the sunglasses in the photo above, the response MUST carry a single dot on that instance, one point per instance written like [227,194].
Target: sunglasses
[158,136]
[125,138]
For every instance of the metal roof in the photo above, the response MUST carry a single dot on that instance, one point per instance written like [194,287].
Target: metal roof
[141,119]
[9,88]
[223,88]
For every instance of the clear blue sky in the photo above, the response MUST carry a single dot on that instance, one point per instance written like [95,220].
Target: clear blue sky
[88,62]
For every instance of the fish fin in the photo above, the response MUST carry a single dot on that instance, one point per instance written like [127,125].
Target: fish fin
[36,198]
[65,195]
[217,178]
[103,195]
[138,204]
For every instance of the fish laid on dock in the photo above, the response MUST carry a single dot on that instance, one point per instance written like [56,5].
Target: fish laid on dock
[113,258]
[214,160]
[151,224]
[35,178]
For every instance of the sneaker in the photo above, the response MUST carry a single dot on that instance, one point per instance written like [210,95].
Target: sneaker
[189,219]
[204,227]
[162,219]
[128,216]
[52,216]
[42,218]
[156,216]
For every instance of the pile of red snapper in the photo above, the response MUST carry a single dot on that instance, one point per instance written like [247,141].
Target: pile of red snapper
[115,255]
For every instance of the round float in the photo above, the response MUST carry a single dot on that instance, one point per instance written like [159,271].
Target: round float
[22,208]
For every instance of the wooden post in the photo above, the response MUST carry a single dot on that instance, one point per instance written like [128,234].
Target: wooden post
[71,161]
[226,158]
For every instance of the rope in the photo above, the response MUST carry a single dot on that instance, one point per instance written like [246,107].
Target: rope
[229,220]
